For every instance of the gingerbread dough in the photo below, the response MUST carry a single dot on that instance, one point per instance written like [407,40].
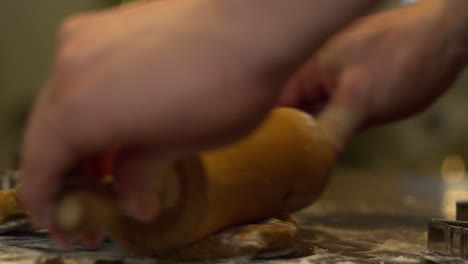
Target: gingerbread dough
[218,197]
[9,206]
[272,237]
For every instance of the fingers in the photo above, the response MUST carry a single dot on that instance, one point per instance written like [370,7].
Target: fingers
[44,158]
[309,88]
[139,179]
[63,238]
[93,238]
[39,182]
[52,145]
[322,87]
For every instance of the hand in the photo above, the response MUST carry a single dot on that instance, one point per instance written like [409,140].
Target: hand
[162,79]
[140,78]
[381,68]
[130,77]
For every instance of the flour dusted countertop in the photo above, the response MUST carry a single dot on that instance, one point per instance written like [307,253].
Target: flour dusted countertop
[361,218]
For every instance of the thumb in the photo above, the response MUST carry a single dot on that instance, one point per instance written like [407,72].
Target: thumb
[345,113]
[339,123]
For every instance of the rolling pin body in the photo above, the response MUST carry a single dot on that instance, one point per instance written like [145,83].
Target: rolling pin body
[281,167]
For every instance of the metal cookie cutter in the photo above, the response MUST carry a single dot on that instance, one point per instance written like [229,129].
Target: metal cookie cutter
[450,237]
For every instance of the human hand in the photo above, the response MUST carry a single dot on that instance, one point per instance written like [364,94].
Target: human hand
[382,68]
[161,79]
[130,77]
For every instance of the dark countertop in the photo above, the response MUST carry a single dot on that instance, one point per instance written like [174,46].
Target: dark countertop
[361,218]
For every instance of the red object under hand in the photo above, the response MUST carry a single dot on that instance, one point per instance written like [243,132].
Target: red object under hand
[102,167]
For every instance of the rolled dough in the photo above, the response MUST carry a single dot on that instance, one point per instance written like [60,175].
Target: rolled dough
[9,206]
[273,237]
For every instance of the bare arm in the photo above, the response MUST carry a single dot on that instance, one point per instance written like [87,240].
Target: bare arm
[455,17]
[163,78]
[383,67]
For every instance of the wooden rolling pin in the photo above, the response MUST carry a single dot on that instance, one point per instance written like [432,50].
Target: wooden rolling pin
[282,167]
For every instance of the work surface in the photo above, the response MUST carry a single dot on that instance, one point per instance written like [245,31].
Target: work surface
[361,218]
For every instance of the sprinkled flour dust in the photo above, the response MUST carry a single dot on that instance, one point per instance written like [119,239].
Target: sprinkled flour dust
[403,259]
[320,251]
[397,245]
[255,238]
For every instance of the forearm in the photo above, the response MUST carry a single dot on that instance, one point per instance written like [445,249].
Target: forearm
[456,13]
[453,21]
[282,34]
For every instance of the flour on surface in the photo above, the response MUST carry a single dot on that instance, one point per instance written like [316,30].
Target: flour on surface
[403,259]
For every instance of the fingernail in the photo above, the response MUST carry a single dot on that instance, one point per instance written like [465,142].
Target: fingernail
[142,209]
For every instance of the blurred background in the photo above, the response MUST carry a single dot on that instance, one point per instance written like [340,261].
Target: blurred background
[27,29]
